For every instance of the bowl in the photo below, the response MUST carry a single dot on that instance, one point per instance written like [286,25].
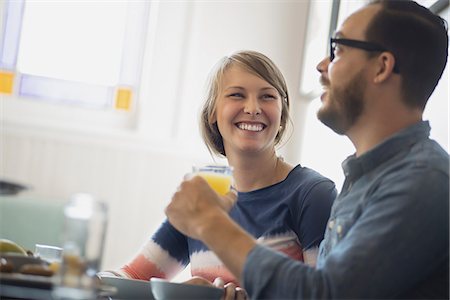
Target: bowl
[129,288]
[166,290]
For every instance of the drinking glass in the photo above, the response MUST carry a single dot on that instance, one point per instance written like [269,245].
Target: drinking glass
[219,178]
[51,254]
[84,235]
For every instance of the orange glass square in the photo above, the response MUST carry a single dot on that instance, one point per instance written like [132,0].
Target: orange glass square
[6,82]
[123,98]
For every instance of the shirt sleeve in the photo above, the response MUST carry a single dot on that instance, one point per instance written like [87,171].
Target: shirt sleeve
[400,239]
[313,215]
[163,256]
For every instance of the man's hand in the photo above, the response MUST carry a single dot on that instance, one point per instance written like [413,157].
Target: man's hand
[195,205]
[199,212]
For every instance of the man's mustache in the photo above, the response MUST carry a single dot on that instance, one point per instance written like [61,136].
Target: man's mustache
[324,81]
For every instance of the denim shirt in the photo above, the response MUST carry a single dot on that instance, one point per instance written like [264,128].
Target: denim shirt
[388,232]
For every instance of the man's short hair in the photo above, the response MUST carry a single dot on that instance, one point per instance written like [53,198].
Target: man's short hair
[419,41]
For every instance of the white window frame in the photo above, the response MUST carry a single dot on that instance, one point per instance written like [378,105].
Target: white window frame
[43,101]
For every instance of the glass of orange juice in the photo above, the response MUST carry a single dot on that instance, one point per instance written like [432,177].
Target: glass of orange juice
[219,178]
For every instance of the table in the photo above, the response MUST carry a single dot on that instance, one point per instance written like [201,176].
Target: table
[9,291]
[17,292]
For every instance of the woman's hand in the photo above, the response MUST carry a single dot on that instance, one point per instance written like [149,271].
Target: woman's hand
[231,291]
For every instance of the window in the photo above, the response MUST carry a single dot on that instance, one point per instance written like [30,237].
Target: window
[83,53]
[323,150]
[437,109]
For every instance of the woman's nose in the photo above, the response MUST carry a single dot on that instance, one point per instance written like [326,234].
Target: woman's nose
[252,106]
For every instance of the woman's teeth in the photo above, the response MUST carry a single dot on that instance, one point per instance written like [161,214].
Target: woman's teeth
[250,127]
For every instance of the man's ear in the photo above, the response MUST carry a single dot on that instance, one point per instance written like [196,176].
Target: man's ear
[385,66]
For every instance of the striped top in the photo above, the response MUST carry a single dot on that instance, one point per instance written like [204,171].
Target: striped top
[289,216]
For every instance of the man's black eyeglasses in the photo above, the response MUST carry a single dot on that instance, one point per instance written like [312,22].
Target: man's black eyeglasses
[363,45]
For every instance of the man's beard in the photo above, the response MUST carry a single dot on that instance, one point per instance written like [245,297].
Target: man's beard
[344,105]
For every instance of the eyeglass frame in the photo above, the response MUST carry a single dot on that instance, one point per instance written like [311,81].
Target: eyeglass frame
[363,45]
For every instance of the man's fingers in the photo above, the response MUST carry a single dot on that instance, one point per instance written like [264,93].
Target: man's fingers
[188,176]
[229,199]
[232,194]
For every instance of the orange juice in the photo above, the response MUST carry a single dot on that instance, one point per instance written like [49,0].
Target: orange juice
[220,183]
[218,177]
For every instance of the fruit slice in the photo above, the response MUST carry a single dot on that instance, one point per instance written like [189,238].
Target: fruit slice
[7,246]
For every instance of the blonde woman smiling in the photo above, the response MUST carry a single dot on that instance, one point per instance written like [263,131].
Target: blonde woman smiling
[244,119]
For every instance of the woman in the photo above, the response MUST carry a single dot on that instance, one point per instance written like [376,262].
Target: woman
[244,119]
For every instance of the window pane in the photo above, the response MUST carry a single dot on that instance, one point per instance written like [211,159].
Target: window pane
[74,41]
[323,149]
[426,3]
[68,92]
[316,45]
[9,41]
[437,111]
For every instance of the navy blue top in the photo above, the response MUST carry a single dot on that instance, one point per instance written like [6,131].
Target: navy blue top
[289,216]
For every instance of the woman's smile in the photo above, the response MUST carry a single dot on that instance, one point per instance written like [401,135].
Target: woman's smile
[255,127]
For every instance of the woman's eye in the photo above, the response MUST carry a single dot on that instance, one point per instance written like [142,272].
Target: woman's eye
[236,95]
[268,97]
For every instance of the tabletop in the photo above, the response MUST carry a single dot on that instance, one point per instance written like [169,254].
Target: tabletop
[13,291]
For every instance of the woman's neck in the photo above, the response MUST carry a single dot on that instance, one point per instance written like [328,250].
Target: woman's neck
[258,171]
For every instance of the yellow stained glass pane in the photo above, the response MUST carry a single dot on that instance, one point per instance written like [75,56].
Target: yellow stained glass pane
[123,98]
[6,82]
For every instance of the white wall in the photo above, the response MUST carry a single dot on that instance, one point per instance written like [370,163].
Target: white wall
[136,165]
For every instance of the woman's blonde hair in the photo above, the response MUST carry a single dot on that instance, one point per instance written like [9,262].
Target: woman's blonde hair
[255,63]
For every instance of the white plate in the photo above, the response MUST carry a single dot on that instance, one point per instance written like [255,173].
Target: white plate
[166,290]
[129,288]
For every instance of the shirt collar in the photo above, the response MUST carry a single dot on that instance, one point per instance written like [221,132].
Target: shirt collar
[354,167]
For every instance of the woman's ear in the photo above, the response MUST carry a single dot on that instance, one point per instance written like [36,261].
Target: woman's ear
[213,118]
[385,66]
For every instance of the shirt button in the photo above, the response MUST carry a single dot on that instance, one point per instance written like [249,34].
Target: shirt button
[331,224]
[339,229]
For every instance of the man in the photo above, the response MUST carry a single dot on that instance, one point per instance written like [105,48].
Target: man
[388,233]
